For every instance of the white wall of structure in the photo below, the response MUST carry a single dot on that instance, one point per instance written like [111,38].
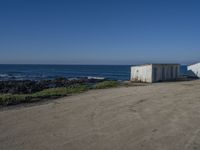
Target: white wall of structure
[194,69]
[141,73]
[155,72]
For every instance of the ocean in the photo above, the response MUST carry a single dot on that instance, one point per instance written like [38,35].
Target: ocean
[41,72]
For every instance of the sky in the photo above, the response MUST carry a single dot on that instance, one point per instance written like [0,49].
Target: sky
[99,31]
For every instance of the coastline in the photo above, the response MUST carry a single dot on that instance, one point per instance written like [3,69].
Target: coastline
[27,91]
[15,92]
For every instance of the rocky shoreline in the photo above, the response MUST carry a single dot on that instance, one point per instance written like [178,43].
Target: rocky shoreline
[32,86]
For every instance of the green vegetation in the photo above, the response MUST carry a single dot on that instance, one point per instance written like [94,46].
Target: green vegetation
[11,99]
[106,84]
[62,91]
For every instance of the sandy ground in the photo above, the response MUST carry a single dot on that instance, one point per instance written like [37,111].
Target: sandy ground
[163,116]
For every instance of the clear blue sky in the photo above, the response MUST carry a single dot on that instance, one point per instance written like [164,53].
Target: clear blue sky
[99,32]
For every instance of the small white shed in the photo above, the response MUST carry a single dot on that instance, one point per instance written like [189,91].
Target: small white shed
[194,70]
[155,72]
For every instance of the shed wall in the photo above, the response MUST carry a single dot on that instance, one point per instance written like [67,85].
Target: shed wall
[141,73]
[165,72]
[155,72]
[195,69]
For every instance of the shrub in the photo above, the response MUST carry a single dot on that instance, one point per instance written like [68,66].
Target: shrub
[106,84]
[11,99]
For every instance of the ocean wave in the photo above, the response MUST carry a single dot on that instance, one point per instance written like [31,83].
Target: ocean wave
[4,75]
[97,78]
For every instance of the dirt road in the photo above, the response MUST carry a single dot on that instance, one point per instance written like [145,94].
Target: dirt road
[163,116]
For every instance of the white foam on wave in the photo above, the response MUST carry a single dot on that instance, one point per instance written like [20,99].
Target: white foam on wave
[97,78]
[4,75]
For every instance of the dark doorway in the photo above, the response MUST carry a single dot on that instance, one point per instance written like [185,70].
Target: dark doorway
[154,74]
[176,72]
[172,72]
[163,73]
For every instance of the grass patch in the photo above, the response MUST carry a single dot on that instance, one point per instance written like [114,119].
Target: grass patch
[12,99]
[106,84]
[58,92]
[8,99]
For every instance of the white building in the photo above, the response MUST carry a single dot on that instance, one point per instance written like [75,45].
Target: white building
[155,72]
[194,70]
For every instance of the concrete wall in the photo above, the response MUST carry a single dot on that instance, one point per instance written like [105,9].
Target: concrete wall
[155,72]
[141,73]
[194,69]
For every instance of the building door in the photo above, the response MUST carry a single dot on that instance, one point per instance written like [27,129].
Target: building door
[172,73]
[176,72]
[154,74]
[163,73]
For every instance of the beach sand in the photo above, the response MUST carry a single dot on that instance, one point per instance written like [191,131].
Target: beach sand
[161,116]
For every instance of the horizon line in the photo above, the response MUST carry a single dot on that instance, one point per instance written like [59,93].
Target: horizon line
[86,64]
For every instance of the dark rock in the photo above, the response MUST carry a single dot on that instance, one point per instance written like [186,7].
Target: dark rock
[29,86]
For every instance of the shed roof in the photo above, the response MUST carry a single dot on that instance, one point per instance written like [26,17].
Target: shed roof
[194,64]
[157,64]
